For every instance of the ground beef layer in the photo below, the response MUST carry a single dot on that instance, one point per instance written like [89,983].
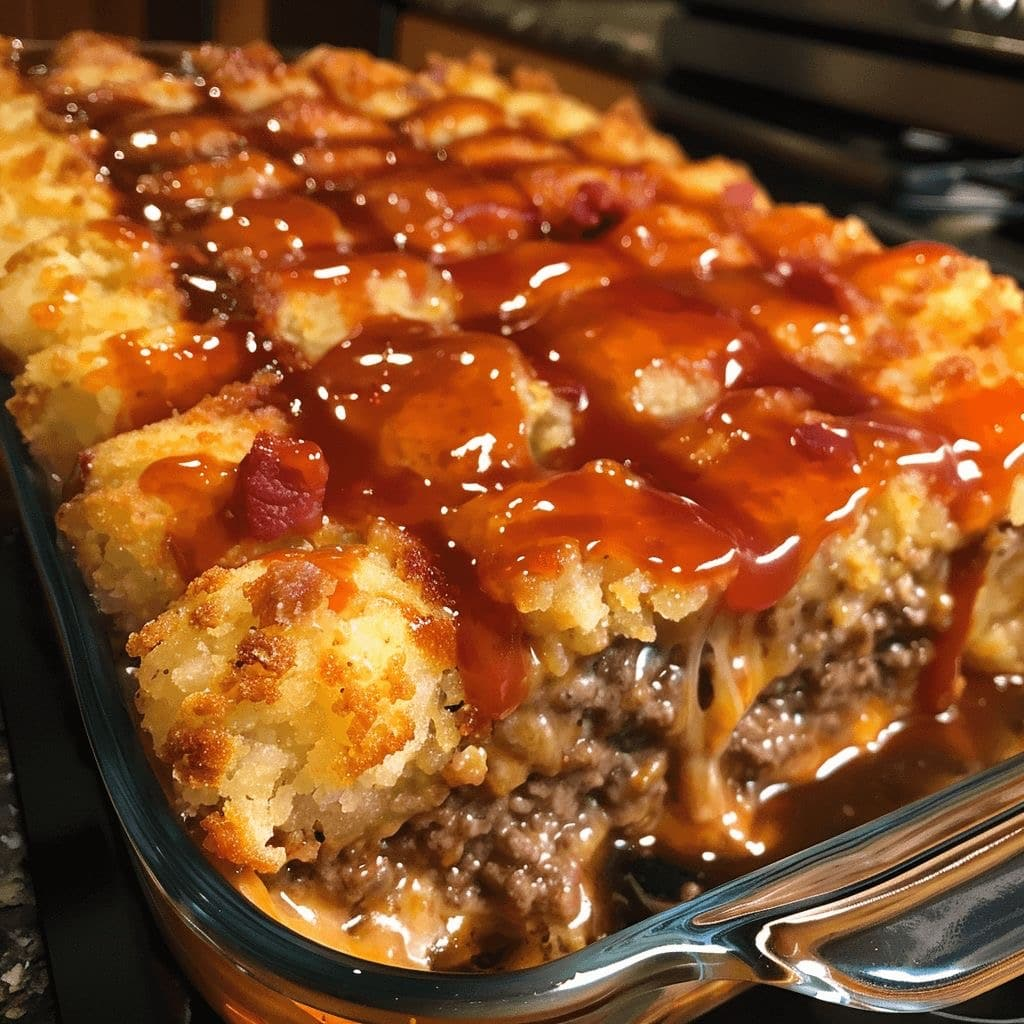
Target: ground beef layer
[562,857]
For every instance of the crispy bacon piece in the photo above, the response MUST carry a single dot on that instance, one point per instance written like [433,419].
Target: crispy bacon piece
[740,195]
[814,280]
[593,203]
[585,196]
[281,486]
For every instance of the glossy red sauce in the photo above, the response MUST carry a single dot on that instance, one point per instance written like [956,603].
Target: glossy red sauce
[985,427]
[498,150]
[199,491]
[681,328]
[941,679]
[509,290]
[159,372]
[346,282]
[746,457]
[396,411]
[297,121]
[440,122]
[754,423]
[254,233]
[533,530]
[183,194]
[491,646]
[147,142]
[872,275]
[448,209]
[338,168]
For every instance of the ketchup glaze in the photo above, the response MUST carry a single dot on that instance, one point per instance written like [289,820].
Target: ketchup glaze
[708,448]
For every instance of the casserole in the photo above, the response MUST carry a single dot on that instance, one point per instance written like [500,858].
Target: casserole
[246,431]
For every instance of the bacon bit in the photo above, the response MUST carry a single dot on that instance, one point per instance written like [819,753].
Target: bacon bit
[596,202]
[281,487]
[818,442]
[819,282]
[740,195]
[85,462]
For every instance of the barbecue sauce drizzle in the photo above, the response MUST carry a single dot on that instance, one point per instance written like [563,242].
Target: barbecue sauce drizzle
[427,429]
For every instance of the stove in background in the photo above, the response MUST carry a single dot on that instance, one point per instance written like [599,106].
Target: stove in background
[907,113]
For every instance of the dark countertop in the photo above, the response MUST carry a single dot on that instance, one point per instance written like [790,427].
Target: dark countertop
[24,976]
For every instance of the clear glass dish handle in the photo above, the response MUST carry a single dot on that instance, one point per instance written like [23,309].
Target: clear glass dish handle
[921,909]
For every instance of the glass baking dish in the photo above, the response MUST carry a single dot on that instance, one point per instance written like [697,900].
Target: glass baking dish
[916,910]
